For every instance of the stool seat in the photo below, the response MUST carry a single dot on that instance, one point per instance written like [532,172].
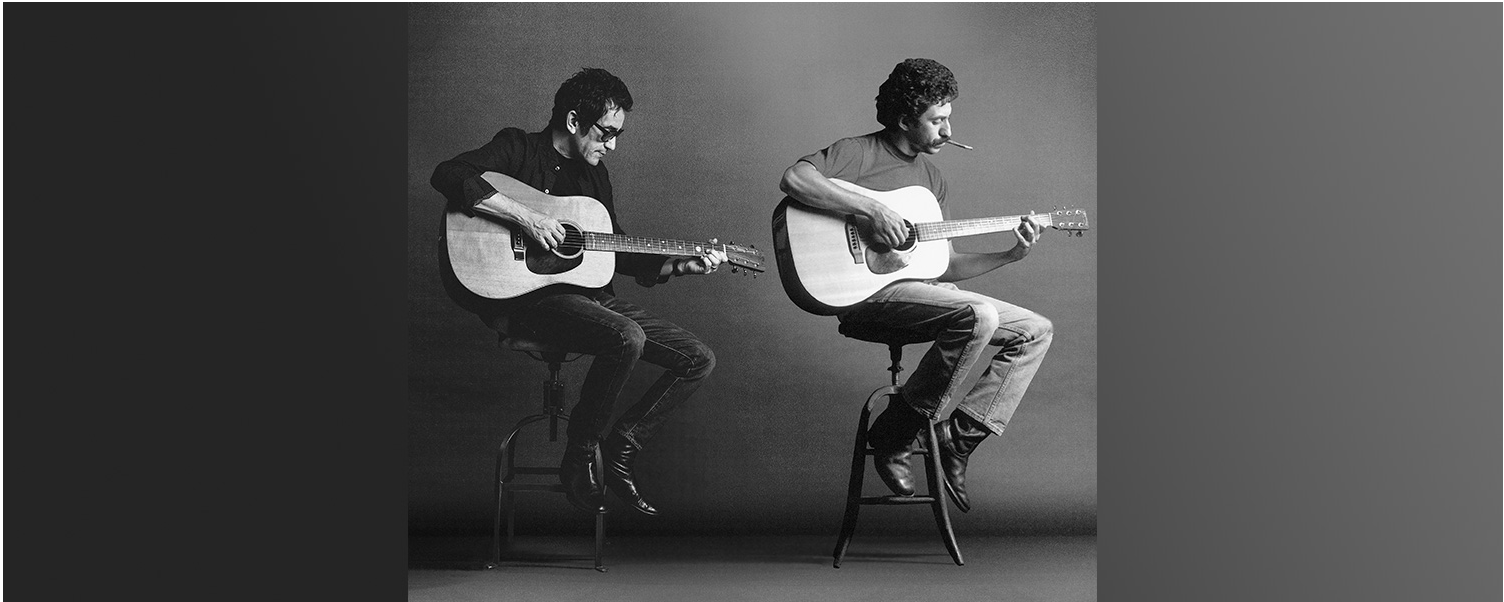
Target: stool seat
[531,346]
[886,335]
[519,338]
[522,343]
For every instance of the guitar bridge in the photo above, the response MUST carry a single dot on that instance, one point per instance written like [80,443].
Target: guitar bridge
[519,246]
[854,241]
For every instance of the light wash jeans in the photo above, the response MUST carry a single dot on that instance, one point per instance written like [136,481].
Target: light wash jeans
[618,334]
[963,324]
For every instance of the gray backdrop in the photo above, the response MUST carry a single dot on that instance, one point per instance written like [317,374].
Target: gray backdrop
[727,96]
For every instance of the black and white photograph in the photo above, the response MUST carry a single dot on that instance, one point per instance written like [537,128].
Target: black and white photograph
[671,256]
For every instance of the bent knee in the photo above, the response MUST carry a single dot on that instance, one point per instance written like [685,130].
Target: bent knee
[985,315]
[1031,328]
[1039,328]
[701,361]
[631,340]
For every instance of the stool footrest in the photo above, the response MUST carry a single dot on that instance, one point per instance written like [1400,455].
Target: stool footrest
[913,452]
[535,470]
[896,500]
[543,487]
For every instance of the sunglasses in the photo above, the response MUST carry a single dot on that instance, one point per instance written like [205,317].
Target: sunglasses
[608,135]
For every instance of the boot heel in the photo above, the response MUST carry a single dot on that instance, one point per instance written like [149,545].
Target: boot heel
[619,455]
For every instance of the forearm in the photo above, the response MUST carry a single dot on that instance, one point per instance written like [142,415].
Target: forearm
[807,185]
[644,267]
[654,269]
[501,206]
[970,265]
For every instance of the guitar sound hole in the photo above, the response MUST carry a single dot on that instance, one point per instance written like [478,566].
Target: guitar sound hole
[574,243]
[908,243]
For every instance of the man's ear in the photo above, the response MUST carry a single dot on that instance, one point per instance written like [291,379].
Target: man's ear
[572,123]
[903,124]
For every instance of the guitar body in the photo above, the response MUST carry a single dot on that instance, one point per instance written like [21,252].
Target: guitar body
[494,259]
[827,263]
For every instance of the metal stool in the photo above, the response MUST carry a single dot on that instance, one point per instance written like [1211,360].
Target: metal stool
[934,496]
[507,470]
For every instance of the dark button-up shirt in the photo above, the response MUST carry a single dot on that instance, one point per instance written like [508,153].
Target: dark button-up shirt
[531,159]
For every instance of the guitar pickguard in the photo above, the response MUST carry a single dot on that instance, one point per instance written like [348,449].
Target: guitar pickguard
[889,262]
[878,258]
[543,262]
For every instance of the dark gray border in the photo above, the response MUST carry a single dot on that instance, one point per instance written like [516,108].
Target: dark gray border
[1300,302]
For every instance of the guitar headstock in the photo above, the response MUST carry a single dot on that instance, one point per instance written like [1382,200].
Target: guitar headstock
[744,258]
[1071,221]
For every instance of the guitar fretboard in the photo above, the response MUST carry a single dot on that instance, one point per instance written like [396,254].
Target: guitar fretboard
[972,227]
[620,243]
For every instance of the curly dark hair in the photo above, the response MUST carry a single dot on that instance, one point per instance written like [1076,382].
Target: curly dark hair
[588,93]
[911,88]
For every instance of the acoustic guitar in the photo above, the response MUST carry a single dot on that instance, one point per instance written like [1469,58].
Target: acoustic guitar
[828,261]
[494,259]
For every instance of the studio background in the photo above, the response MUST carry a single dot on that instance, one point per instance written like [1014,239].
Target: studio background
[727,96]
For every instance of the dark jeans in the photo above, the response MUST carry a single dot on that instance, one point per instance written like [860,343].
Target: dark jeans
[618,334]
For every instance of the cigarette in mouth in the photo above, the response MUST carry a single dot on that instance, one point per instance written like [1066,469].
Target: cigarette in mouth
[949,141]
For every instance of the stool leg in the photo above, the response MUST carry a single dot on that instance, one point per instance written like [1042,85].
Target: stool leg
[501,475]
[600,517]
[942,514]
[511,517]
[553,400]
[853,491]
[858,471]
[496,529]
[505,498]
[600,540]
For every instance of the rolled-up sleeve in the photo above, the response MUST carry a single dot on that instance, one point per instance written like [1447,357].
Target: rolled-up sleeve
[459,180]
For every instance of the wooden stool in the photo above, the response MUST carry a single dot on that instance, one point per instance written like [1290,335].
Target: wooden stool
[507,470]
[934,496]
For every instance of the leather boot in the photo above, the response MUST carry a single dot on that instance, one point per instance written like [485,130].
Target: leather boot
[619,453]
[957,437]
[891,437]
[578,476]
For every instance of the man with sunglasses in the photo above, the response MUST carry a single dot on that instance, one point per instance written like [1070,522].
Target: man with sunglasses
[565,159]
[914,107]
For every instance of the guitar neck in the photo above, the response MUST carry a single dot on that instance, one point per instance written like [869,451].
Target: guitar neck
[973,227]
[621,243]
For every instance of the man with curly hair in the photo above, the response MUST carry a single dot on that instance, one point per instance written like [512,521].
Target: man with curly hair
[914,107]
[565,159]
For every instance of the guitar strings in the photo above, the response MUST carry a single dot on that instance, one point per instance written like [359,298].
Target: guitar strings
[955,226]
[622,242]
